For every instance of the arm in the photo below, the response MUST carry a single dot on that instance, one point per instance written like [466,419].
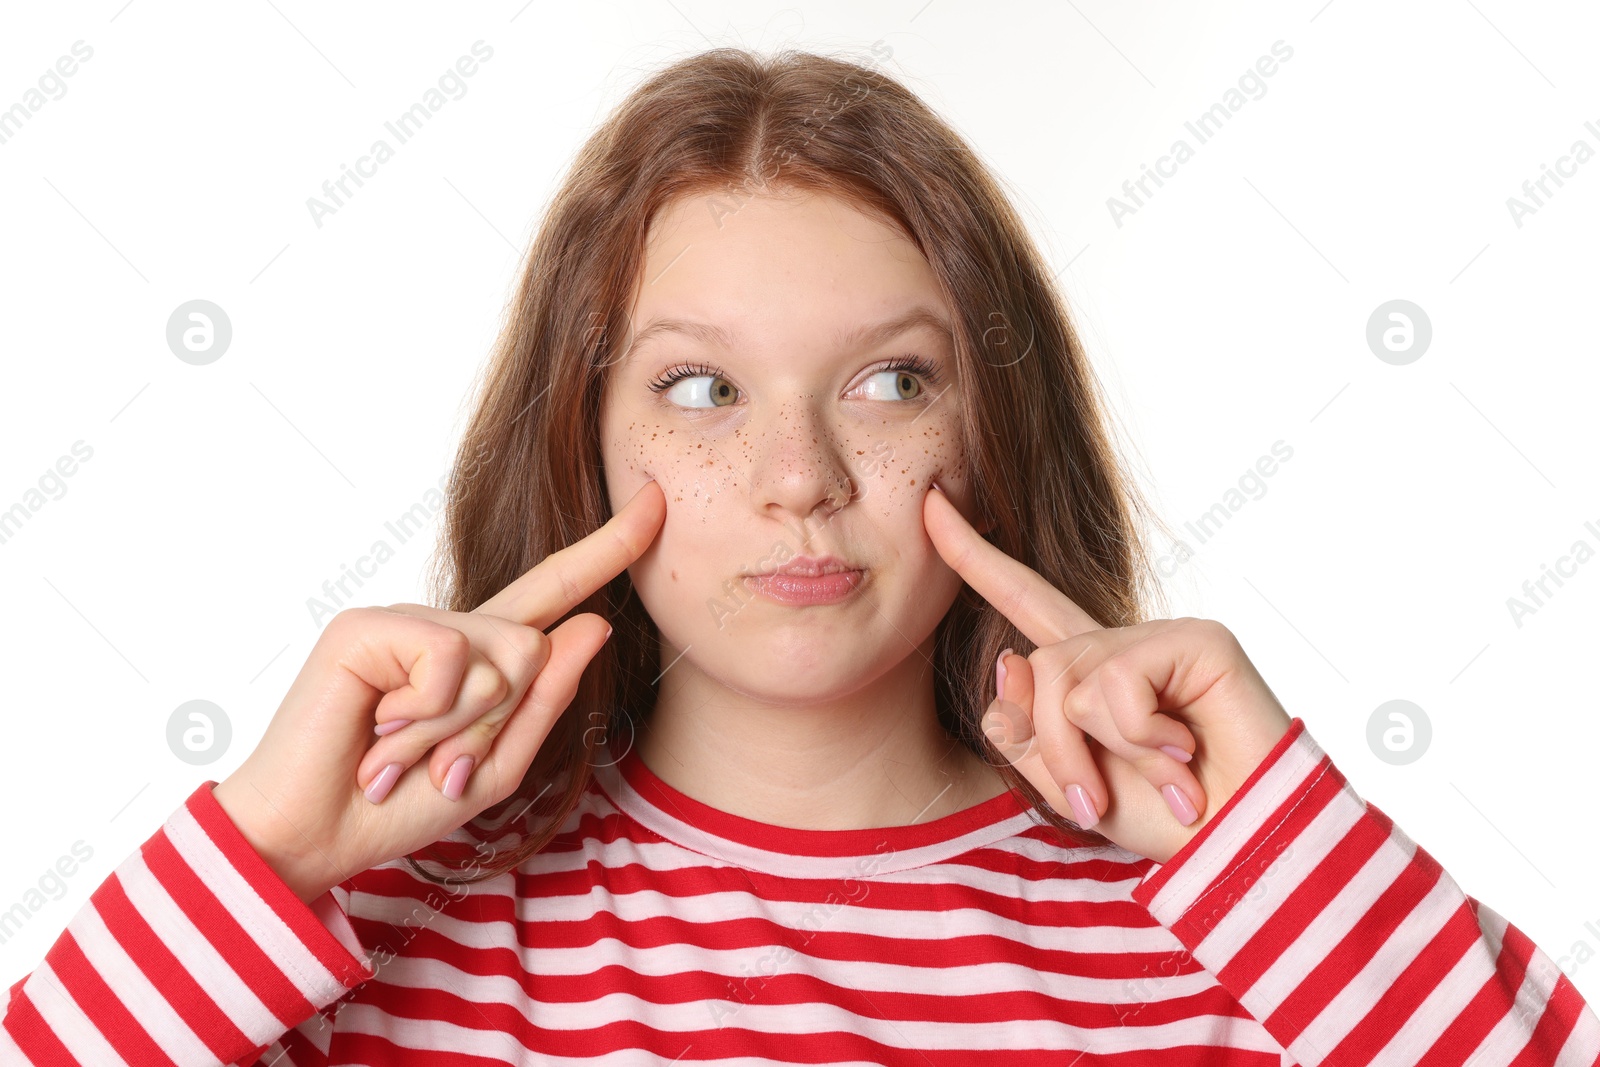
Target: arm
[192,951]
[1350,943]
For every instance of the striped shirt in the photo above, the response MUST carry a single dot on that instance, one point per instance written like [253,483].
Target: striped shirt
[1299,926]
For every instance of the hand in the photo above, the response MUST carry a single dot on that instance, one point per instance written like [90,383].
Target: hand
[1172,711]
[486,684]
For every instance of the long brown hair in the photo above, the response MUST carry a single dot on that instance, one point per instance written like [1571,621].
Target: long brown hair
[527,478]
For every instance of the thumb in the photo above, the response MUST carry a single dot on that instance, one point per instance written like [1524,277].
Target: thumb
[573,645]
[1008,722]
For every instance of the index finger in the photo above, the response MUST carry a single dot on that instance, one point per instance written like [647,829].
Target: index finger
[1043,613]
[569,576]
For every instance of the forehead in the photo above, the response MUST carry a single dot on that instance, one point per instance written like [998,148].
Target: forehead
[920,320]
[728,274]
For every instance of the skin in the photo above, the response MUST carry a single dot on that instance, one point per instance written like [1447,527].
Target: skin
[1178,716]
[816,717]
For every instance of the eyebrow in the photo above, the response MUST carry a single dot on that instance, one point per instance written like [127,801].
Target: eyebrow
[867,335]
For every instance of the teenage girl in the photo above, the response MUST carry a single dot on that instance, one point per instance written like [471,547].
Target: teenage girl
[793,697]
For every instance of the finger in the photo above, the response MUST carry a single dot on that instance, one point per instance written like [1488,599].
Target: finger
[569,576]
[1064,751]
[506,657]
[1130,689]
[519,652]
[1132,684]
[485,697]
[1013,729]
[1043,613]
[573,645]
[1092,657]
[372,658]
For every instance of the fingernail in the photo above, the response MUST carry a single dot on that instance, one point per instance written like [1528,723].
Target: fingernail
[1082,807]
[456,780]
[1000,673]
[934,484]
[379,787]
[389,727]
[1179,803]
[607,637]
[1176,753]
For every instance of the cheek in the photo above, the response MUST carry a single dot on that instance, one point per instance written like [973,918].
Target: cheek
[895,466]
[694,474]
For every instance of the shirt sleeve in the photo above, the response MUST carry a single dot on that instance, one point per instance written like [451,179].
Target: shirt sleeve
[192,952]
[1349,942]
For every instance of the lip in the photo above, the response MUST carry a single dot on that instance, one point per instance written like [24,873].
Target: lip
[798,590]
[811,567]
[809,580]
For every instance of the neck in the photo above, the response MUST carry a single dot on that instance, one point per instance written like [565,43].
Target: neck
[874,757]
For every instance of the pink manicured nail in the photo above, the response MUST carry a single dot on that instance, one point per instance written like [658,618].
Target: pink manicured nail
[379,787]
[1082,806]
[456,780]
[389,727]
[1180,805]
[1176,753]
[1000,673]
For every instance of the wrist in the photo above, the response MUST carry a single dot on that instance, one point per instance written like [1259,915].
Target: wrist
[254,820]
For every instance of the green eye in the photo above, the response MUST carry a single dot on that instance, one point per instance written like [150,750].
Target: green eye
[901,385]
[688,386]
[699,386]
[689,391]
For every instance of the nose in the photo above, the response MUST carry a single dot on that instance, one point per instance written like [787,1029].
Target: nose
[801,467]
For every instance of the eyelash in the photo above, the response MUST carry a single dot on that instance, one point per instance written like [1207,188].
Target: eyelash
[910,361]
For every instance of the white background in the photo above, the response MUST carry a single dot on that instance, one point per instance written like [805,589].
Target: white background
[1228,313]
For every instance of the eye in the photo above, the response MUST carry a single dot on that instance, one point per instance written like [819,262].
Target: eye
[899,378]
[893,385]
[695,385]
[687,385]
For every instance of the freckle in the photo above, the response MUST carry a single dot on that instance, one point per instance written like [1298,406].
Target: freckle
[674,575]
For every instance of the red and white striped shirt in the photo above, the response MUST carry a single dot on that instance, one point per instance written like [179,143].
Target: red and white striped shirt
[1300,926]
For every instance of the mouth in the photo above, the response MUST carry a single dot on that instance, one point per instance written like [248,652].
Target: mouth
[808,581]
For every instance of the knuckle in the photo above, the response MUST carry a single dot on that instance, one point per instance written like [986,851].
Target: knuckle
[483,688]
[1117,673]
[1078,705]
[449,642]
[350,621]
[530,648]
[572,590]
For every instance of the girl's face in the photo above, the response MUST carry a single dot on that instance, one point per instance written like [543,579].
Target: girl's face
[790,387]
